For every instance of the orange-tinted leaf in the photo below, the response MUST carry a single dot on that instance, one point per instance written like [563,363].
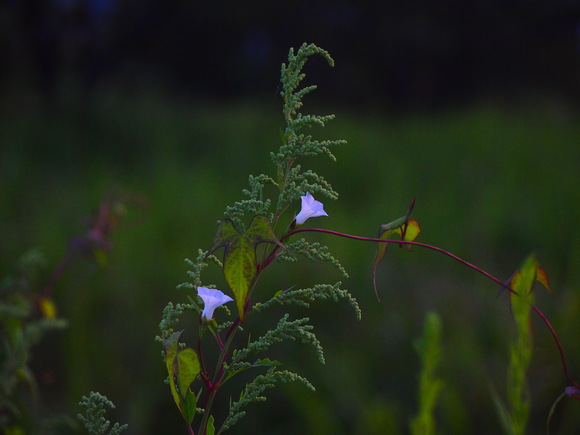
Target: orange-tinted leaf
[406,229]
[533,272]
[542,277]
[522,283]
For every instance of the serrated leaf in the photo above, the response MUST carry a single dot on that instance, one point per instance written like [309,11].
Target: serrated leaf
[266,362]
[231,373]
[239,264]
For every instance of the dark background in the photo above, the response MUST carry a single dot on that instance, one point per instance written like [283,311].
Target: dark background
[470,107]
[399,55]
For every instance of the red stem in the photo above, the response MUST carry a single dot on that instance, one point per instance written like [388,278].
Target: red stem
[557,340]
[404,242]
[441,251]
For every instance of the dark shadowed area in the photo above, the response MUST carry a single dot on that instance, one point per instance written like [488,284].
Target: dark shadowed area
[127,127]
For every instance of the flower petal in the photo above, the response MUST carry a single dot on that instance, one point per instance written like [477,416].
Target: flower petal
[310,208]
[212,298]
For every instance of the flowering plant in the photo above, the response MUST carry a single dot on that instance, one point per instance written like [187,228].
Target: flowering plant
[248,239]
[310,208]
[212,299]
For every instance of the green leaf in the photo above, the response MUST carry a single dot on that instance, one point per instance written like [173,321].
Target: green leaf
[183,367]
[190,407]
[407,229]
[522,300]
[429,349]
[240,265]
[170,347]
[522,282]
[210,428]
[266,362]
[186,367]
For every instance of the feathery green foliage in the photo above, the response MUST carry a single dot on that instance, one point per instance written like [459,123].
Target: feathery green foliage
[312,251]
[252,240]
[285,330]
[254,392]
[304,297]
[242,265]
[94,415]
[290,179]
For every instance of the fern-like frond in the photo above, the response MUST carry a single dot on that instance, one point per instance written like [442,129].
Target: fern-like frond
[304,297]
[94,415]
[292,330]
[313,251]
[254,204]
[254,392]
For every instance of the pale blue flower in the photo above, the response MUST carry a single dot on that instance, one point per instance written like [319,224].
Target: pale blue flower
[212,299]
[310,208]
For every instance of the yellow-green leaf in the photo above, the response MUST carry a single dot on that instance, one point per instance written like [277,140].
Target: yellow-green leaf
[522,284]
[186,367]
[406,229]
[183,367]
[170,347]
[240,265]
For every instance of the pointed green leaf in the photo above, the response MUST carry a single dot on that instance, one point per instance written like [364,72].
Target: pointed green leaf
[210,428]
[190,407]
[523,279]
[186,367]
[183,367]
[522,300]
[542,277]
[261,231]
[522,282]
[170,347]
[240,265]
[266,362]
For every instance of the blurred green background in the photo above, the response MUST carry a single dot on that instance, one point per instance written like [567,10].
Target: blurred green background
[180,104]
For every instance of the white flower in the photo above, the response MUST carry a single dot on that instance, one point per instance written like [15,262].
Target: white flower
[310,208]
[212,299]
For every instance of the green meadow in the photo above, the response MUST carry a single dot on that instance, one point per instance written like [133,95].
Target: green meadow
[493,182]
